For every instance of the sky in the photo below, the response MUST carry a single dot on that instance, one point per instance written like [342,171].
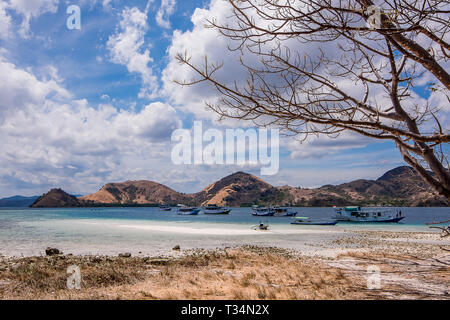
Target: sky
[81,108]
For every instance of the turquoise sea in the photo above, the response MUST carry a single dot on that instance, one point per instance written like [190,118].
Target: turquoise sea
[150,231]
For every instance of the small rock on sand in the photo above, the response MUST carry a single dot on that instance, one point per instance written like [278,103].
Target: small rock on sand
[52,251]
[125,255]
[177,248]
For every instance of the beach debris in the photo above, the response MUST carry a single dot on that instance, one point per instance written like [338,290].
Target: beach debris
[125,255]
[96,259]
[445,229]
[52,251]
[177,248]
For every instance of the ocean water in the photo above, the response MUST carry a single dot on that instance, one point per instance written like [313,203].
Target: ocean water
[149,231]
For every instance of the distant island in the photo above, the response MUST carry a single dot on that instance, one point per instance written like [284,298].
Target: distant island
[398,187]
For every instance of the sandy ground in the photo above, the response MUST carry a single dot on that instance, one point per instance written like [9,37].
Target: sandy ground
[351,264]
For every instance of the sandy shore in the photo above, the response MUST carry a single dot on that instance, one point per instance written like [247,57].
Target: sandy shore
[410,265]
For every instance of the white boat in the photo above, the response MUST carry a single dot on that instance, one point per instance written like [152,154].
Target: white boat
[284,212]
[214,209]
[188,211]
[262,211]
[358,214]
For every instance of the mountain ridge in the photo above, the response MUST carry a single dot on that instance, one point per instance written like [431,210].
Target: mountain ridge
[17,201]
[400,186]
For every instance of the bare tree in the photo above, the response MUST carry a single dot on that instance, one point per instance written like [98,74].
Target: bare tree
[383,48]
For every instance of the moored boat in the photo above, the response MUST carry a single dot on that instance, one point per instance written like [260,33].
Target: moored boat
[262,211]
[214,209]
[358,214]
[284,212]
[164,207]
[189,211]
[312,222]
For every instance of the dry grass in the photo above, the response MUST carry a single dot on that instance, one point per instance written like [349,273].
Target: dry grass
[245,273]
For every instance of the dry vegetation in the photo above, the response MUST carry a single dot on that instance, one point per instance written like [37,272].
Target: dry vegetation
[244,273]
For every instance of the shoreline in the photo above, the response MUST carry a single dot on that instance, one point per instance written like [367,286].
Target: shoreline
[147,238]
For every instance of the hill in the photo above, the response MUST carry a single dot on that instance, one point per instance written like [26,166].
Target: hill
[57,198]
[135,192]
[397,187]
[401,186]
[17,202]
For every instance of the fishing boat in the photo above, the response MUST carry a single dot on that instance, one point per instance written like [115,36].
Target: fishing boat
[215,209]
[311,222]
[284,212]
[262,211]
[358,214]
[164,207]
[188,211]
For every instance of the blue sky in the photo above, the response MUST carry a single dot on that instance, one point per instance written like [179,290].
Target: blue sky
[81,108]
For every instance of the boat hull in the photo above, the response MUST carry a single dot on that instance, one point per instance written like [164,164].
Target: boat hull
[227,211]
[287,214]
[388,220]
[192,212]
[263,214]
[324,223]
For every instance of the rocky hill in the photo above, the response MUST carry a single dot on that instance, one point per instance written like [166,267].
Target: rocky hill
[398,187]
[135,192]
[401,186]
[238,189]
[57,198]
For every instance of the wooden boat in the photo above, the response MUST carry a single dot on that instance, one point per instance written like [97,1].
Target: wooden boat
[358,214]
[284,212]
[188,211]
[164,207]
[214,209]
[262,211]
[310,222]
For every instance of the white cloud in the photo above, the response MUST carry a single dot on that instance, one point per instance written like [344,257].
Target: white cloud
[127,47]
[200,42]
[49,139]
[165,11]
[5,21]
[22,90]
[32,9]
[324,146]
